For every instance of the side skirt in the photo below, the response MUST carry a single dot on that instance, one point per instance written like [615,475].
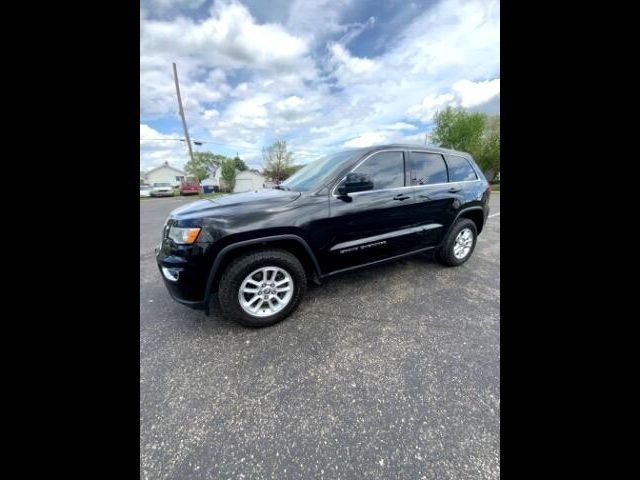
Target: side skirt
[395,257]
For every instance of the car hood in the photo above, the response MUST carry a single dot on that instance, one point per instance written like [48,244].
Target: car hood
[262,199]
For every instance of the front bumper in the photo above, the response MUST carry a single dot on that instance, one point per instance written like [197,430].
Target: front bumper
[196,305]
[188,267]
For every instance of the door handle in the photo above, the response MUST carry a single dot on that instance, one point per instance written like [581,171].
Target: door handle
[454,189]
[401,197]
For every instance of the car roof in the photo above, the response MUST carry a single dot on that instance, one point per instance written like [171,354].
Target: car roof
[408,146]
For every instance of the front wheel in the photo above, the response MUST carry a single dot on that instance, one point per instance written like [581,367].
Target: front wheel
[459,244]
[262,288]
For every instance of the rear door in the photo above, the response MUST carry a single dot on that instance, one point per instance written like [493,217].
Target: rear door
[434,204]
[375,224]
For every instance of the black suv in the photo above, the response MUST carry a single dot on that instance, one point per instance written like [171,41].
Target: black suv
[348,210]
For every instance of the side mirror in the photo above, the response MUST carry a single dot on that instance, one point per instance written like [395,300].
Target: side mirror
[356,182]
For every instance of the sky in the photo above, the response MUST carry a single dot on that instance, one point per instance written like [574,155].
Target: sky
[324,75]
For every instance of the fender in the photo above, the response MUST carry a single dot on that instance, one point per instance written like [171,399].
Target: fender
[233,246]
[476,207]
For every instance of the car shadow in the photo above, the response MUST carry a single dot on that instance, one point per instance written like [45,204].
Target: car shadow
[216,323]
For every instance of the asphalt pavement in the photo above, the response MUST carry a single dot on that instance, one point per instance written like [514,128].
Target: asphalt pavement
[391,371]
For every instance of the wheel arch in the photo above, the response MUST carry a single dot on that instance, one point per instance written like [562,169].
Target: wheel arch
[475,214]
[289,242]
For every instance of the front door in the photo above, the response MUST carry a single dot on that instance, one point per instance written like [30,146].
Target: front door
[375,224]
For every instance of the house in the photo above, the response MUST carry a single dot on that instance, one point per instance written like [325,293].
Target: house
[165,173]
[245,181]
[249,180]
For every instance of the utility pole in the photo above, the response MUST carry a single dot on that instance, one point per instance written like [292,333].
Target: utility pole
[181,110]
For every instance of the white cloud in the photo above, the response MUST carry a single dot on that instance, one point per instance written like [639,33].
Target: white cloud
[246,83]
[349,68]
[430,104]
[400,126]
[157,148]
[465,94]
[229,38]
[366,140]
[317,19]
[164,5]
[475,93]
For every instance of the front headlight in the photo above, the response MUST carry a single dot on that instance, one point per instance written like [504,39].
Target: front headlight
[183,236]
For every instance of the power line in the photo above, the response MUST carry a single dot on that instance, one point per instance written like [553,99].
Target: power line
[199,142]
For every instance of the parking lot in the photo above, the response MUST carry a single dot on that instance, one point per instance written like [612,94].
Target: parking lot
[386,372]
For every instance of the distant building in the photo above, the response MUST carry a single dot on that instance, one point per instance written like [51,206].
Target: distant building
[245,181]
[249,180]
[165,173]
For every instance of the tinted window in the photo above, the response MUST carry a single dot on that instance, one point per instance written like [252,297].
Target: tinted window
[459,169]
[427,168]
[386,170]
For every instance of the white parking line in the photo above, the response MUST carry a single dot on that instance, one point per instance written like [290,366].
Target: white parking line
[494,215]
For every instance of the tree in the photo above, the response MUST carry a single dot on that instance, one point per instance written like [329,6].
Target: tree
[458,129]
[293,169]
[204,164]
[240,165]
[277,161]
[474,133]
[228,173]
[488,157]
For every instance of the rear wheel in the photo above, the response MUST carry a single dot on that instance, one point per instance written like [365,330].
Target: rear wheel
[459,244]
[262,288]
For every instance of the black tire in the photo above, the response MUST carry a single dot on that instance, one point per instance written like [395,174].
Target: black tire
[237,271]
[445,254]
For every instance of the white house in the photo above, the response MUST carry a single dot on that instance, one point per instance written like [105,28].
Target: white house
[165,173]
[248,180]
[245,181]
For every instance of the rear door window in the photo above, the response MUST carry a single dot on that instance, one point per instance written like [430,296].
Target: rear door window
[460,170]
[427,168]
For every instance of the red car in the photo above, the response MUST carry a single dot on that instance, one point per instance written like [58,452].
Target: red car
[189,187]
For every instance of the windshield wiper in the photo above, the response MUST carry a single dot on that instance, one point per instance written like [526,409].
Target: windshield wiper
[280,187]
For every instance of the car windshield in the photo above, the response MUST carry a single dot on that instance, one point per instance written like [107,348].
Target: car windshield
[317,172]
[161,185]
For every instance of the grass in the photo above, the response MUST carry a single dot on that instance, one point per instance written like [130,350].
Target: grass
[495,187]
[209,195]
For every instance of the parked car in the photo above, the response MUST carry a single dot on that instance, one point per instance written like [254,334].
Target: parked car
[189,187]
[355,208]
[162,189]
[145,190]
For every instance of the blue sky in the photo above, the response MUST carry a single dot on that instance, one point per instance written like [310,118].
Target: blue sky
[322,74]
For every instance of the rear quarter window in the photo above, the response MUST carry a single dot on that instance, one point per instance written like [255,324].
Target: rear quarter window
[460,170]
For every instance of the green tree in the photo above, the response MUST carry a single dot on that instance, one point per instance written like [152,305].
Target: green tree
[203,164]
[278,161]
[228,174]
[458,129]
[240,165]
[474,133]
[488,157]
